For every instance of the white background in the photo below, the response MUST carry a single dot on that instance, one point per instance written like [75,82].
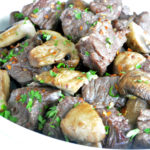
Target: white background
[14,137]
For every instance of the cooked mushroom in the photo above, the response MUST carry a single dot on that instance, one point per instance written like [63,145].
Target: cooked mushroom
[133,108]
[56,49]
[68,80]
[135,83]
[17,32]
[138,40]
[83,124]
[127,61]
[4,88]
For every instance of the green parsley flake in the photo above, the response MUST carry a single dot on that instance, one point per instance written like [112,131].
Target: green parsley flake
[25,19]
[19,15]
[132,133]
[23,98]
[69,37]
[66,42]
[53,74]
[61,65]
[41,123]
[62,96]
[147,130]
[139,81]
[107,129]
[36,10]
[138,66]
[79,78]
[46,36]
[87,53]
[75,105]
[110,7]
[58,2]
[108,41]
[111,93]
[90,74]
[86,10]
[56,43]
[94,24]
[77,15]
[107,74]
[41,81]
[71,5]
[66,138]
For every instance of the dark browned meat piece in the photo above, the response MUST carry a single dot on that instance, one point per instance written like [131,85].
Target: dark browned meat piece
[19,67]
[44,13]
[146,66]
[142,140]
[28,103]
[135,83]
[118,127]
[143,20]
[76,23]
[62,109]
[98,49]
[98,92]
[109,9]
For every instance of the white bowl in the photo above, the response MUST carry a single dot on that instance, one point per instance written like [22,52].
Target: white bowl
[15,137]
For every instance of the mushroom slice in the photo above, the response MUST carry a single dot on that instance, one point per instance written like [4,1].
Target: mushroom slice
[83,124]
[4,88]
[135,82]
[127,61]
[18,31]
[56,49]
[68,80]
[138,40]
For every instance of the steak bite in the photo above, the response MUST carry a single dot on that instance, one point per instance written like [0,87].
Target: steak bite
[142,140]
[44,13]
[98,49]
[26,104]
[116,127]
[109,9]
[76,23]
[103,92]
[135,82]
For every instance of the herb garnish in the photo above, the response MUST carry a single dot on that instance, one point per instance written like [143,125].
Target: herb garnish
[46,36]
[62,96]
[19,15]
[110,7]
[36,10]
[56,43]
[132,133]
[87,53]
[108,41]
[107,74]
[90,74]
[75,105]
[71,5]
[58,7]
[111,93]
[53,74]
[107,129]
[147,130]
[77,15]
[41,123]
[61,65]
[138,66]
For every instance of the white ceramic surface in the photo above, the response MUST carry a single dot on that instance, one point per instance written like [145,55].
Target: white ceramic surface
[14,137]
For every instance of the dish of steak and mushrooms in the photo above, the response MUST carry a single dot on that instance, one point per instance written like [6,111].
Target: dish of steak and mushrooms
[78,72]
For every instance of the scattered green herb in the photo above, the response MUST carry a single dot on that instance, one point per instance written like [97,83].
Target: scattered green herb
[66,138]
[25,20]
[71,5]
[138,66]
[77,15]
[87,53]
[110,7]
[53,74]
[132,133]
[86,9]
[41,81]
[147,130]
[66,42]
[111,93]
[62,96]
[41,123]
[108,41]
[75,105]
[94,24]
[107,74]
[58,2]
[56,43]
[139,81]
[119,114]
[46,36]
[36,10]
[61,65]
[90,74]
[23,98]
[69,37]
[107,129]
[19,15]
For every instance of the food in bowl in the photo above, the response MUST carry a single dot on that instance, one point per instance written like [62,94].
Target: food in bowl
[78,72]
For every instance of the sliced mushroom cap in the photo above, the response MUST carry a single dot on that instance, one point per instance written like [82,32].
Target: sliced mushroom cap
[68,80]
[4,88]
[127,61]
[18,31]
[133,108]
[138,40]
[56,49]
[135,83]
[83,124]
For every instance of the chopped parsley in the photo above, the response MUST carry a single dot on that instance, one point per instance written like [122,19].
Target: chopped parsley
[138,66]
[87,53]
[41,81]
[25,19]
[111,93]
[69,37]
[90,74]
[79,78]
[61,65]
[41,123]
[23,98]
[77,15]
[71,5]
[66,138]
[36,10]
[107,129]
[19,15]
[52,74]
[107,74]
[58,2]
[147,130]
[94,24]
[46,36]
[108,41]
[66,42]
[132,133]
[56,43]
[139,81]
[62,96]
[86,9]
[87,22]
[6,114]
[110,7]
[75,105]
